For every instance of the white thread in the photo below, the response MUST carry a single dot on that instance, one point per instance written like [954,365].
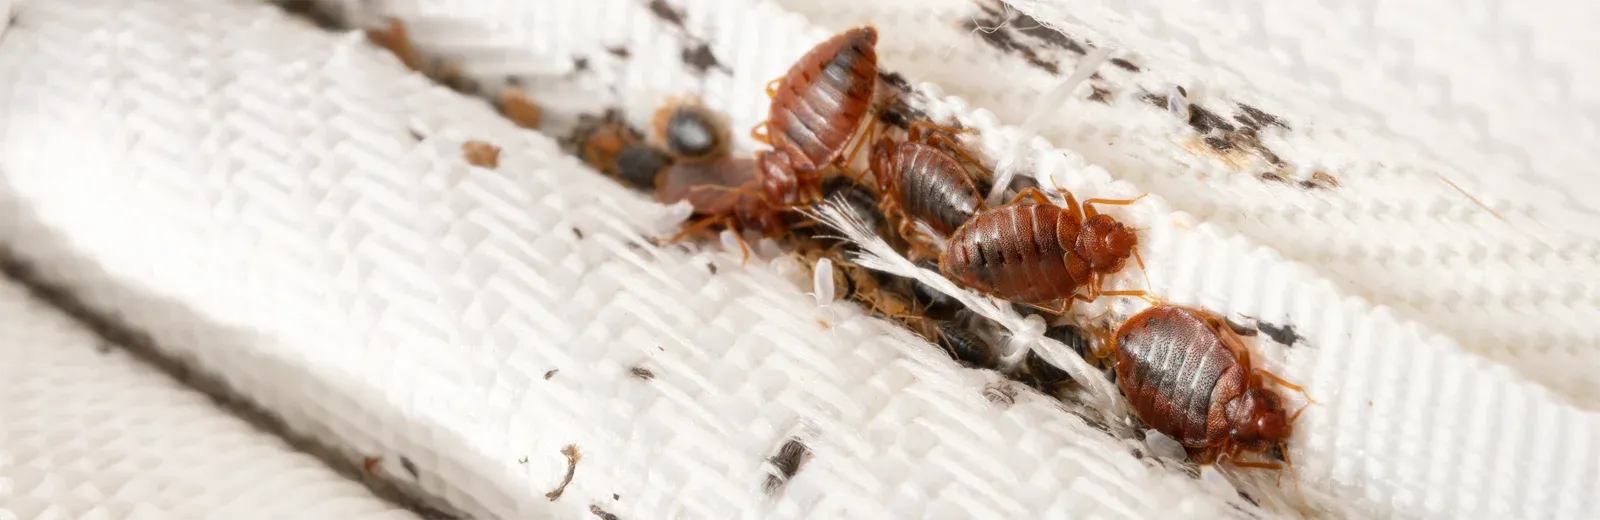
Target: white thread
[878,255]
[1048,106]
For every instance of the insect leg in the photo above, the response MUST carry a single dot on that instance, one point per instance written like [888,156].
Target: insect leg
[1030,193]
[1088,205]
[759,133]
[1286,384]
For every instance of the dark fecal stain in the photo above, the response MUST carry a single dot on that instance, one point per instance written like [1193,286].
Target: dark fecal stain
[1257,118]
[318,14]
[596,511]
[1154,99]
[1273,176]
[666,12]
[410,467]
[1099,95]
[577,233]
[711,267]
[551,373]
[700,58]
[1204,121]
[895,80]
[580,63]
[641,373]
[615,496]
[999,37]
[415,134]
[1032,27]
[1241,329]
[1125,65]
[901,114]
[791,456]
[1218,143]
[619,51]
[1283,334]
[1182,91]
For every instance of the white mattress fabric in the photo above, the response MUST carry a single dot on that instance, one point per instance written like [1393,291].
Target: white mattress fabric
[88,431]
[289,210]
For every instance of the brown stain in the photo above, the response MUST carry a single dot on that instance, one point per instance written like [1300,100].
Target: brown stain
[573,456]
[1283,334]
[1204,121]
[1099,95]
[700,59]
[1256,118]
[621,52]
[519,109]
[791,456]
[551,373]
[992,32]
[370,464]
[481,154]
[315,12]
[666,12]
[1032,27]
[410,467]
[1125,65]
[596,511]
[577,233]
[397,40]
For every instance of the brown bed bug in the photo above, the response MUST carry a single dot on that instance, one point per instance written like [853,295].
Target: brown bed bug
[1032,252]
[689,129]
[922,178]
[817,106]
[1189,376]
[722,191]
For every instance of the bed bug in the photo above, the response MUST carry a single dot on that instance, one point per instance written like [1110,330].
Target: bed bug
[1032,252]
[817,106]
[964,346]
[922,178]
[690,130]
[597,140]
[721,191]
[1189,376]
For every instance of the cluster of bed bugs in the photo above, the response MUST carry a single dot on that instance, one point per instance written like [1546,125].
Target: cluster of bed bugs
[1185,372]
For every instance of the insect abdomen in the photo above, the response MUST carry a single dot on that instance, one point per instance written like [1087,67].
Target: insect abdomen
[824,97]
[1012,252]
[1177,375]
[934,188]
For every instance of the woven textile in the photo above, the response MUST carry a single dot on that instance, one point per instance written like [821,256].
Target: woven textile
[290,210]
[86,431]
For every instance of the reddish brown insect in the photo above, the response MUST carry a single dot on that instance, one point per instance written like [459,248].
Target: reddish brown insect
[721,192]
[816,109]
[1188,375]
[1036,253]
[919,179]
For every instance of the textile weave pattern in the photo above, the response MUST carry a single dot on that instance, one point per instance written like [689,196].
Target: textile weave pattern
[87,431]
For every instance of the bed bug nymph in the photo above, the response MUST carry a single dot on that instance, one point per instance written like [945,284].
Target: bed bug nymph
[1032,252]
[1189,376]
[922,178]
[817,106]
[721,192]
